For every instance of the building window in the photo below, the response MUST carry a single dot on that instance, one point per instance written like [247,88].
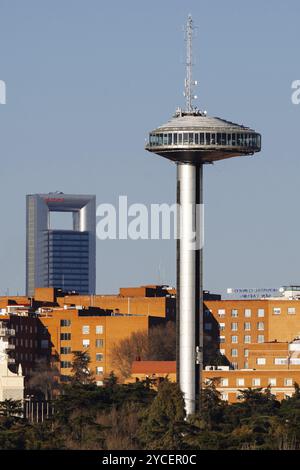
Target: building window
[234,353]
[65,365]
[99,370]
[234,326]
[222,326]
[291,310]
[246,352]
[234,339]
[246,365]
[240,382]
[272,382]
[261,361]
[234,365]
[99,383]
[221,312]
[65,336]
[288,382]
[224,382]
[247,339]
[222,339]
[256,382]
[261,312]
[99,357]
[260,326]
[234,313]
[99,329]
[66,350]
[224,396]
[65,322]
[208,326]
[260,338]
[85,330]
[276,310]
[99,343]
[247,312]
[280,361]
[44,344]
[85,343]
[247,326]
[295,361]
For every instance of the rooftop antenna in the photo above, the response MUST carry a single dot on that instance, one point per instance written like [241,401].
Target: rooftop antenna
[189,82]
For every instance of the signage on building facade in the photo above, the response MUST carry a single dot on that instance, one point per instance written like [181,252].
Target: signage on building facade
[255,293]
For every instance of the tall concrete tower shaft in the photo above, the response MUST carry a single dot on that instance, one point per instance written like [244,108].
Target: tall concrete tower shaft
[189,282]
[192,139]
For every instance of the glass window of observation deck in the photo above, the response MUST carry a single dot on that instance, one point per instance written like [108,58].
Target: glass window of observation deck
[169,139]
[223,139]
[233,139]
[175,139]
[213,139]
[202,140]
[191,138]
[258,140]
[219,137]
[185,138]
[165,141]
[207,138]
[197,138]
[180,139]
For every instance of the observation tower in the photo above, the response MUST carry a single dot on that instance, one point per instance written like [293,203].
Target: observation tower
[192,139]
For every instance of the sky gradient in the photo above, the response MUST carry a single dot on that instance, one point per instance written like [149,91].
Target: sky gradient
[87,80]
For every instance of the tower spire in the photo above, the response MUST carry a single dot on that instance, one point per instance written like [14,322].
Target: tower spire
[189,83]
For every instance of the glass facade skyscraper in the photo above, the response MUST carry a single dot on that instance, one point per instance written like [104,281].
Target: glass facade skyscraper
[61,258]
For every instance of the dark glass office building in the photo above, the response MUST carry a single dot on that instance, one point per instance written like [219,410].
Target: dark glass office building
[61,258]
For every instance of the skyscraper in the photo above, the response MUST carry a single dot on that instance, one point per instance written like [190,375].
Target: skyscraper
[63,259]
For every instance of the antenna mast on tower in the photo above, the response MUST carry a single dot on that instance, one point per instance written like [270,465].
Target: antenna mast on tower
[189,83]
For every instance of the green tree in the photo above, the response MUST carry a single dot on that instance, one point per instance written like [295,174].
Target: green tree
[163,423]
[11,408]
[44,378]
[81,373]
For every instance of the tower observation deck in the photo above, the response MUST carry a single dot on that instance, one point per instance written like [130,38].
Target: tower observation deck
[192,139]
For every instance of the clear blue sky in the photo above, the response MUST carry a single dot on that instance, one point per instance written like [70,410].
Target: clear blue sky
[86,81]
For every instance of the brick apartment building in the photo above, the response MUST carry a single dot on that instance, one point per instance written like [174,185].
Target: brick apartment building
[54,325]
[254,337]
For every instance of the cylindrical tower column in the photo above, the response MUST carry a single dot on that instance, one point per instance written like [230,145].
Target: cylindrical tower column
[189,283]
